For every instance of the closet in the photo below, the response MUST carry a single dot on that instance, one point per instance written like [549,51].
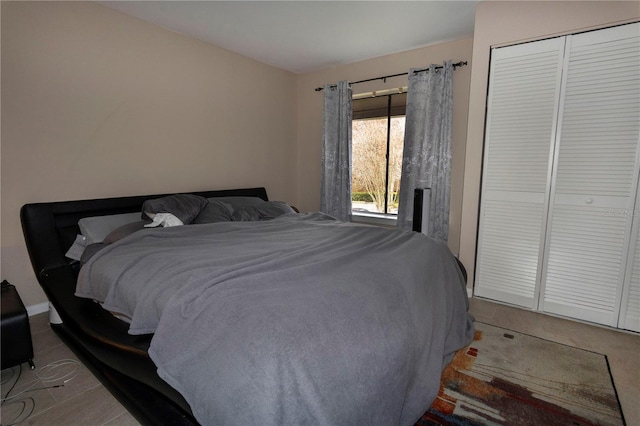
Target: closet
[559,215]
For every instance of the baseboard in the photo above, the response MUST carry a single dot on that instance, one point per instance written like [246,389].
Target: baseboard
[37,309]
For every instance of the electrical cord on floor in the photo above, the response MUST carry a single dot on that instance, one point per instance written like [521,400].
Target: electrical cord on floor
[28,406]
[14,383]
[52,371]
[17,419]
[63,370]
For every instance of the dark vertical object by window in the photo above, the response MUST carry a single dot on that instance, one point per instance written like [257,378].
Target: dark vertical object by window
[386,179]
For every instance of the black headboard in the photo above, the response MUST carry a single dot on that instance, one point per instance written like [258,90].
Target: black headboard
[50,228]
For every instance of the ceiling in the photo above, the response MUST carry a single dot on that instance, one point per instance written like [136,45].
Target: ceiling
[307,36]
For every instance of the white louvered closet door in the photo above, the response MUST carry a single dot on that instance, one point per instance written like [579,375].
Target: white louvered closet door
[630,307]
[522,112]
[595,176]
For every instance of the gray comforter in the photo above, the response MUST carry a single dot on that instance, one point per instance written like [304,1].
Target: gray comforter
[297,320]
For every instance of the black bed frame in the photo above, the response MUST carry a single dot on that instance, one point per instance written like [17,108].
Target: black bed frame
[119,360]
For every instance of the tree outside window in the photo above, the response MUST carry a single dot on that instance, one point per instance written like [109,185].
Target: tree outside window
[377,142]
[374,183]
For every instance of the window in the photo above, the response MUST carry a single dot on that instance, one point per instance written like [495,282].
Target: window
[377,142]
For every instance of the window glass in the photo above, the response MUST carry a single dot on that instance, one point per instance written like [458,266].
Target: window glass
[377,138]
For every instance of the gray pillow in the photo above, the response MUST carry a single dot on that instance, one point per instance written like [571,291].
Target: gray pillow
[96,228]
[91,250]
[125,230]
[265,211]
[183,206]
[214,211]
[115,235]
[238,203]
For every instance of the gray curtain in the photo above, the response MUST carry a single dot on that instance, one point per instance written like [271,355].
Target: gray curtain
[426,159]
[335,191]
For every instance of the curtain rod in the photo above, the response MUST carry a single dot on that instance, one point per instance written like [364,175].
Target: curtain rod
[385,77]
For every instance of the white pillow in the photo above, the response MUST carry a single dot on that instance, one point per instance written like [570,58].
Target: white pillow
[95,229]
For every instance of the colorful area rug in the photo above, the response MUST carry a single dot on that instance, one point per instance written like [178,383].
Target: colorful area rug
[508,378]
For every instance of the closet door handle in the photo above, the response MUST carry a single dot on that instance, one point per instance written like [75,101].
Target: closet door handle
[588,200]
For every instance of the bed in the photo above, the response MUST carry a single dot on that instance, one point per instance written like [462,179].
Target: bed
[290,319]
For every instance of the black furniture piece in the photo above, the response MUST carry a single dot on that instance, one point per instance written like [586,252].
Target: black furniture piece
[119,360]
[16,334]
[421,204]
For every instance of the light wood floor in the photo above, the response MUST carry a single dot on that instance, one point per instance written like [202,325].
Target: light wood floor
[83,401]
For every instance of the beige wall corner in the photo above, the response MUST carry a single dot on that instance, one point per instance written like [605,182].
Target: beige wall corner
[96,104]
